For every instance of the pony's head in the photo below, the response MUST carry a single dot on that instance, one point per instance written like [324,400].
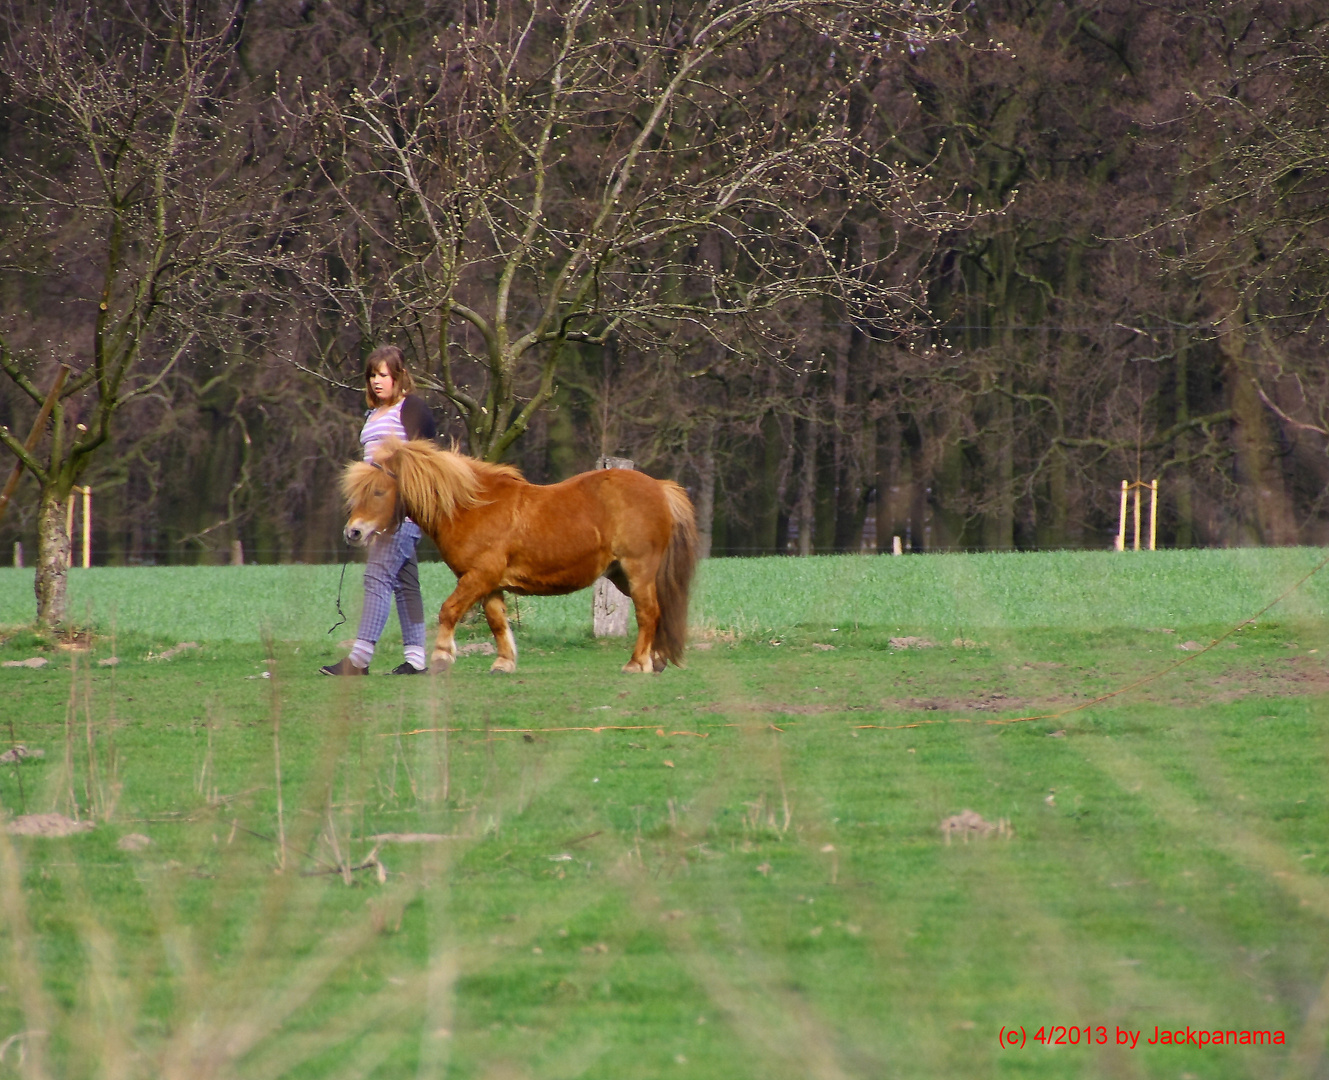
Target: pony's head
[412,478]
[371,502]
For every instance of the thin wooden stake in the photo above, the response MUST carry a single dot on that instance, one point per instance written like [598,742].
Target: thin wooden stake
[1137,518]
[1153,514]
[1121,527]
[275,699]
[86,492]
[87,526]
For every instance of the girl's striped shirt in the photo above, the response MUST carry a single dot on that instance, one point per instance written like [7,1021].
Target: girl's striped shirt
[381,423]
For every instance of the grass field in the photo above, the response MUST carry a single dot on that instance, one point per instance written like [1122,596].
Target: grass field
[733,870]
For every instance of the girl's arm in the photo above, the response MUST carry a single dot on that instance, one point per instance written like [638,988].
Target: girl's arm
[417,419]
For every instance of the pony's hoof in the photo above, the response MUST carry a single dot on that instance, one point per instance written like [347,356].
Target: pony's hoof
[632,667]
[439,663]
[503,667]
[659,663]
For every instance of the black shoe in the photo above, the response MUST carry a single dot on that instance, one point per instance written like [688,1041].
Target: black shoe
[407,668]
[343,667]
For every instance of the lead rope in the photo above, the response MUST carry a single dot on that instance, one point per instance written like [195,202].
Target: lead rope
[347,560]
[339,585]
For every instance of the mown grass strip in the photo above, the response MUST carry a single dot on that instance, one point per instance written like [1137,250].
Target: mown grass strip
[947,594]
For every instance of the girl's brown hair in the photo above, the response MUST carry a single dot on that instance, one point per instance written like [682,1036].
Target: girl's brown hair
[402,383]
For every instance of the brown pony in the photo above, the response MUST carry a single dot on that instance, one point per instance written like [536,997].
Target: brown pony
[500,533]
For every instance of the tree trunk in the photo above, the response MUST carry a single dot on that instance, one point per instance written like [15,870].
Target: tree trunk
[825,501]
[1185,535]
[1054,531]
[946,529]
[846,455]
[706,495]
[807,487]
[1269,518]
[609,606]
[999,521]
[766,509]
[52,559]
[888,456]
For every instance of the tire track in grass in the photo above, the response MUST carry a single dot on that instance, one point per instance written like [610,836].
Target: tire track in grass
[1243,845]
[1055,963]
[1138,994]
[783,1029]
[1071,949]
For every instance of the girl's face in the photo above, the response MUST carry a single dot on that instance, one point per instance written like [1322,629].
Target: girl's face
[382,384]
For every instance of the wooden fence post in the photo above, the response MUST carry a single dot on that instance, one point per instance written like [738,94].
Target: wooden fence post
[609,607]
[86,492]
[1119,541]
[87,526]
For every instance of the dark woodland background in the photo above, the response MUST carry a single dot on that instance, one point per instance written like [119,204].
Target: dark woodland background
[1130,282]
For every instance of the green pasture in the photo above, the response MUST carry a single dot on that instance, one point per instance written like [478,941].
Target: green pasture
[945,593]
[733,870]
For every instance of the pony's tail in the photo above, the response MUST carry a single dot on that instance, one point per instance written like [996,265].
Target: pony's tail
[673,581]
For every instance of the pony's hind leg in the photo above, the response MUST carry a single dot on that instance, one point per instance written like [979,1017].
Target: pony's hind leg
[496,614]
[647,607]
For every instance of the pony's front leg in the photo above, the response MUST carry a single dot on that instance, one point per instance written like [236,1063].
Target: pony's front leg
[454,607]
[496,614]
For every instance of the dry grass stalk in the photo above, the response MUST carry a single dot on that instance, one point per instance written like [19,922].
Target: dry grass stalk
[26,978]
[203,782]
[442,747]
[13,755]
[274,697]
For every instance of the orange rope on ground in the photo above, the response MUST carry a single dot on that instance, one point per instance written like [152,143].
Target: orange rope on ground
[1122,690]
[540,731]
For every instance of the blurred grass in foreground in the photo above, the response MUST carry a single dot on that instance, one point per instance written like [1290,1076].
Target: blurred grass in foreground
[740,875]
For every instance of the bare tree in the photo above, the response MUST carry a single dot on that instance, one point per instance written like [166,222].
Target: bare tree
[1251,235]
[541,177]
[127,210]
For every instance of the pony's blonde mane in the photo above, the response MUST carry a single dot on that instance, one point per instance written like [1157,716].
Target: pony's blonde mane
[432,484]
[356,480]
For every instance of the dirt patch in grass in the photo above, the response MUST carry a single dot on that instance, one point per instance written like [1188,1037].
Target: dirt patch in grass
[785,709]
[75,641]
[967,823]
[173,651]
[1294,677]
[993,702]
[47,825]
